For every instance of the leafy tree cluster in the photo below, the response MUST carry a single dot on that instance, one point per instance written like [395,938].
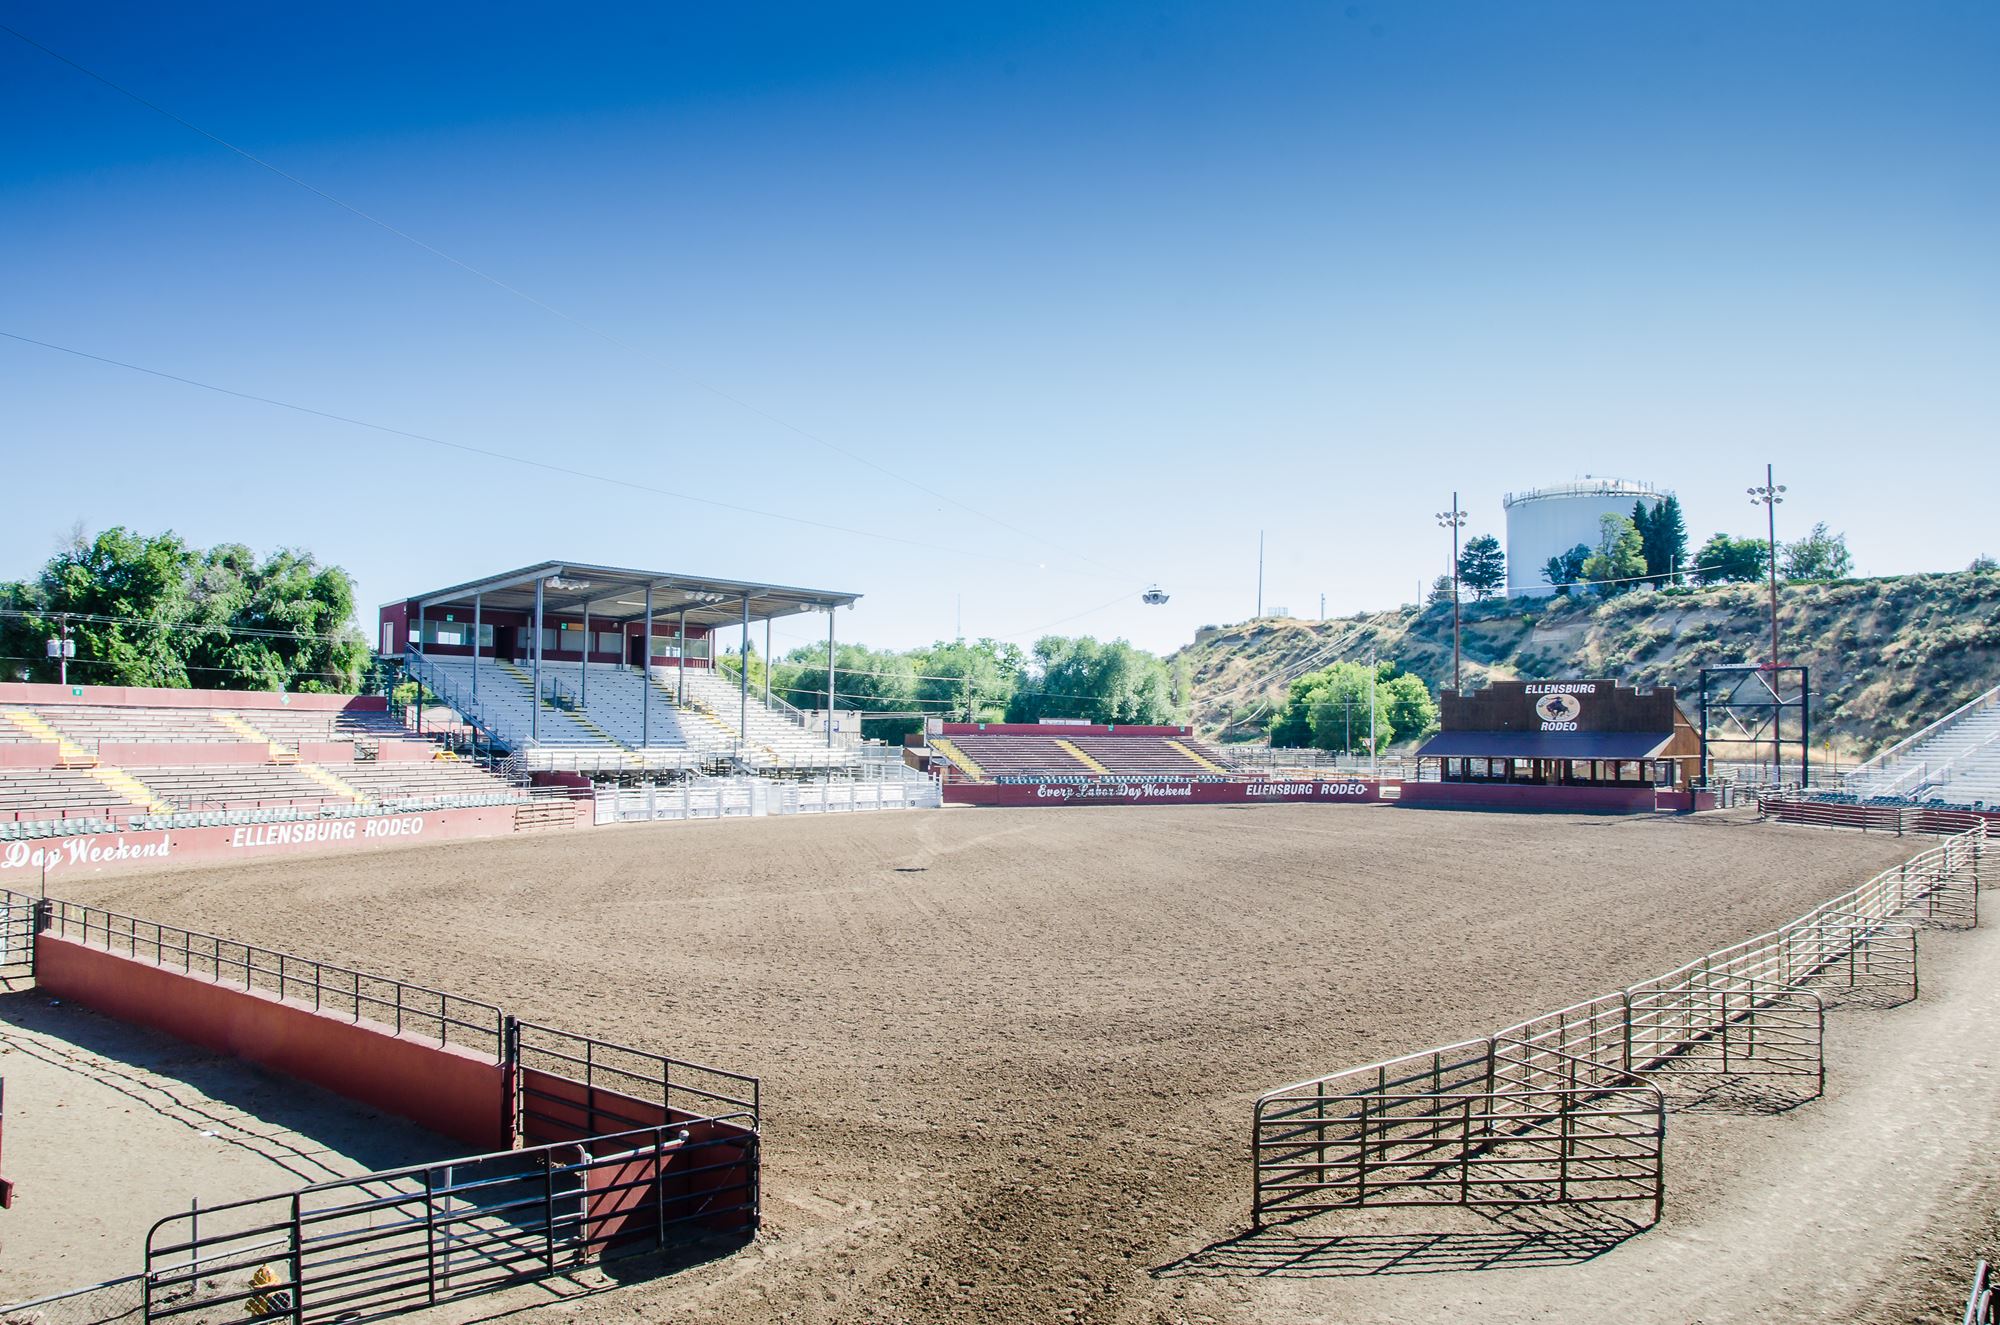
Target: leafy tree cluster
[1726,560]
[1619,561]
[151,610]
[1820,555]
[1329,709]
[983,681]
[1566,572]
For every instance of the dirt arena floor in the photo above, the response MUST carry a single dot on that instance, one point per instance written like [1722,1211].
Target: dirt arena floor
[1009,1055]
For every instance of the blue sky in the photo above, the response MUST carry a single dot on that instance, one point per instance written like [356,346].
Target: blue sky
[1123,283]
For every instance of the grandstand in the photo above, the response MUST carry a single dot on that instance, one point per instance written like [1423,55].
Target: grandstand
[91,759]
[1004,752]
[1954,761]
[552,665]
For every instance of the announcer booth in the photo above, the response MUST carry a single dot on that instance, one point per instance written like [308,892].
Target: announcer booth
[1583,736]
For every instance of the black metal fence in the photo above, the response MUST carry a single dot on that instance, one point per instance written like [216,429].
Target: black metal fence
[379,1244]
[1567,1108]
[627,1149]
[334,990]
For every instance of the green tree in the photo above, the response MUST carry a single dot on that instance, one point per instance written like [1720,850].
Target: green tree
[1566,572]
[1441,590]
[1098,682]
[971,682]
[1820,555]
[1620,558]
[1481,565]
[1329,708]
[149,610]
[1411,710]
[1726,560]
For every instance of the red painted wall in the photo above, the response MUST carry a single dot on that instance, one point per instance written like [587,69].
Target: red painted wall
[448,1090]
[26,692]
[30,754]
[560,1109]
[1503,796]
[107,852]
[1353,792]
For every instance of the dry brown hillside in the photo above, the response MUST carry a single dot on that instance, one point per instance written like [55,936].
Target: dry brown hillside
[1887,655]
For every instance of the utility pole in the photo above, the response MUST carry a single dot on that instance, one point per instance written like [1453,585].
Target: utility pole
[1322,607]
[1454,520]
[62,649]
[1374,761]
[1260,575]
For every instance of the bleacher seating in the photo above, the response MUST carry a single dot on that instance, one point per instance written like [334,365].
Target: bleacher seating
[220,786]
[56,793]
[609,713]
[1003,754]
[1955,761]
[264,775]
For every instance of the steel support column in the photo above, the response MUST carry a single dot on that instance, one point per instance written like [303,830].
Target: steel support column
[478,605]
[767,662]
[829,677]
[681,672]
[583,685]
[646,677]
[535,708]
[743,667]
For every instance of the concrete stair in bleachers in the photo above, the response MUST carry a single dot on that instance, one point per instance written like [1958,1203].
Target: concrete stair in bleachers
[1080,757]
[1201,761]
[965,762]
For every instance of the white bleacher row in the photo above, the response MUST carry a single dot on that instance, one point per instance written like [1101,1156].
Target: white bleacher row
[609,712]
[1956,760]
[769,729]
[89,724]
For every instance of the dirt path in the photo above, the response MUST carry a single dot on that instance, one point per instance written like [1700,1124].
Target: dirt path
[1009,1055]
[1869,1205]
[110,1127]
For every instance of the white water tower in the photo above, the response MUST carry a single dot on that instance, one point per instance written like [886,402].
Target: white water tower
[1548,522]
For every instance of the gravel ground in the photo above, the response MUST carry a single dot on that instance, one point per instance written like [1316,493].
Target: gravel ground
[1009,1054]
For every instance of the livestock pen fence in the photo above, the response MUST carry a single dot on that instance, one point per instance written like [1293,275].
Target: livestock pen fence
[1569,1108]
[594,1147]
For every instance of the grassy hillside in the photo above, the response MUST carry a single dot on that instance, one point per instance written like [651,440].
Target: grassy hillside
[1887,655]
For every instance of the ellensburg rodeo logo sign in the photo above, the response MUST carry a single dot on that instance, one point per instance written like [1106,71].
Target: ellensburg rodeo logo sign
[1559,707]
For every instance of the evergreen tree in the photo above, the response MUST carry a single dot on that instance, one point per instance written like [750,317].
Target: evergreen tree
[1566,571]
[1482,567]
[1670,531]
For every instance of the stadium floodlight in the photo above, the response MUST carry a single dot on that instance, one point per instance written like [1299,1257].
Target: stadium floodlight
[1769,496]
[1454,520]
[1154,596]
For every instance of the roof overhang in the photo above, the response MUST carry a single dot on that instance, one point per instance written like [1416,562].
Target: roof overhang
[1545,745]
[616,594]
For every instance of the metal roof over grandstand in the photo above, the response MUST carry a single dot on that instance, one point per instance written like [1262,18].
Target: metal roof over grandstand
[617,594]
[1546,745]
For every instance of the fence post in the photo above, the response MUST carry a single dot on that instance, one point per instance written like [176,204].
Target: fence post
[430,1235]
[298,1267]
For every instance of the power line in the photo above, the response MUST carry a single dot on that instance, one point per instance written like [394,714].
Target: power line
[544,465]
[545,306]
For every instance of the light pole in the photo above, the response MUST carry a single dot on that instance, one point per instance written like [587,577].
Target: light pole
[1374,760]
[1768,497]
[1454,520]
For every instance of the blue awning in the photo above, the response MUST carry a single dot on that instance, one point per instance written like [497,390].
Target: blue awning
[1545,745]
